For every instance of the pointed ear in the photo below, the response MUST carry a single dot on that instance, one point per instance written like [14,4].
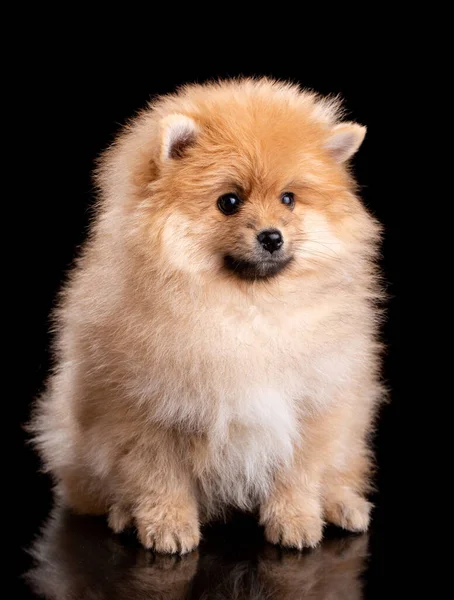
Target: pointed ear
[178,132]
[344,140]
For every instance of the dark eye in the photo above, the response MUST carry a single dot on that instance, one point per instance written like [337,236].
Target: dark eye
[229,204]
[288,199]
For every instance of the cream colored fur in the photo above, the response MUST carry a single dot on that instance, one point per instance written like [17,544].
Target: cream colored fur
[179,389]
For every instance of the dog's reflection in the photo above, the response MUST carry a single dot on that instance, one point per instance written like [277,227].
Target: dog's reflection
[331,571]
[77,558]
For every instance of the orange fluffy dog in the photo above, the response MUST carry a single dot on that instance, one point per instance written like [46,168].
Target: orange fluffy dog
[217,338]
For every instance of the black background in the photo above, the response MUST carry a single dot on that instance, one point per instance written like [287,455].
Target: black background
[74,103]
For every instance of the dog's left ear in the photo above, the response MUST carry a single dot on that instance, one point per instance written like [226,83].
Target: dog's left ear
[178,132]
[344,140]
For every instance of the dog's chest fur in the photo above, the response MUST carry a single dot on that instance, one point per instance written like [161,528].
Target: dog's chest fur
[241,378]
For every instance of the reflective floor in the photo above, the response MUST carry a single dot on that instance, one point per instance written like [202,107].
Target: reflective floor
[78,558]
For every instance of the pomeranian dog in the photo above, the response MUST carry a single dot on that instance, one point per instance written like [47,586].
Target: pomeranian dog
[217,339]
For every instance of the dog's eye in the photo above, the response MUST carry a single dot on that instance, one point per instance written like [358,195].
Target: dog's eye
[288,199]
[229,204]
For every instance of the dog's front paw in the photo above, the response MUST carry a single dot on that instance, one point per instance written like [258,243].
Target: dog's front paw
[348,510]
[292,524]
[169,530]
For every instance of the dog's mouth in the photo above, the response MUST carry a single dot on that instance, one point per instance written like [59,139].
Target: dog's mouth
[253,270]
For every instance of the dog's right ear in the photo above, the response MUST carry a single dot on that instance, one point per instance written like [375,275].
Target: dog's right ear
[178,132]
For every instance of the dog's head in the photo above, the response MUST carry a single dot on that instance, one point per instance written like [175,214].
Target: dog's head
[246,180]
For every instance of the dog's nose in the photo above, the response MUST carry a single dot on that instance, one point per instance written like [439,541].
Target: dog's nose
[270,239]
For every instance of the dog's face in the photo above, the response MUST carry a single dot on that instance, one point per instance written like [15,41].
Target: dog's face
[255,188]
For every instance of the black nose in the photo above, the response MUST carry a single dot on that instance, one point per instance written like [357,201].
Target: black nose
[270,239]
